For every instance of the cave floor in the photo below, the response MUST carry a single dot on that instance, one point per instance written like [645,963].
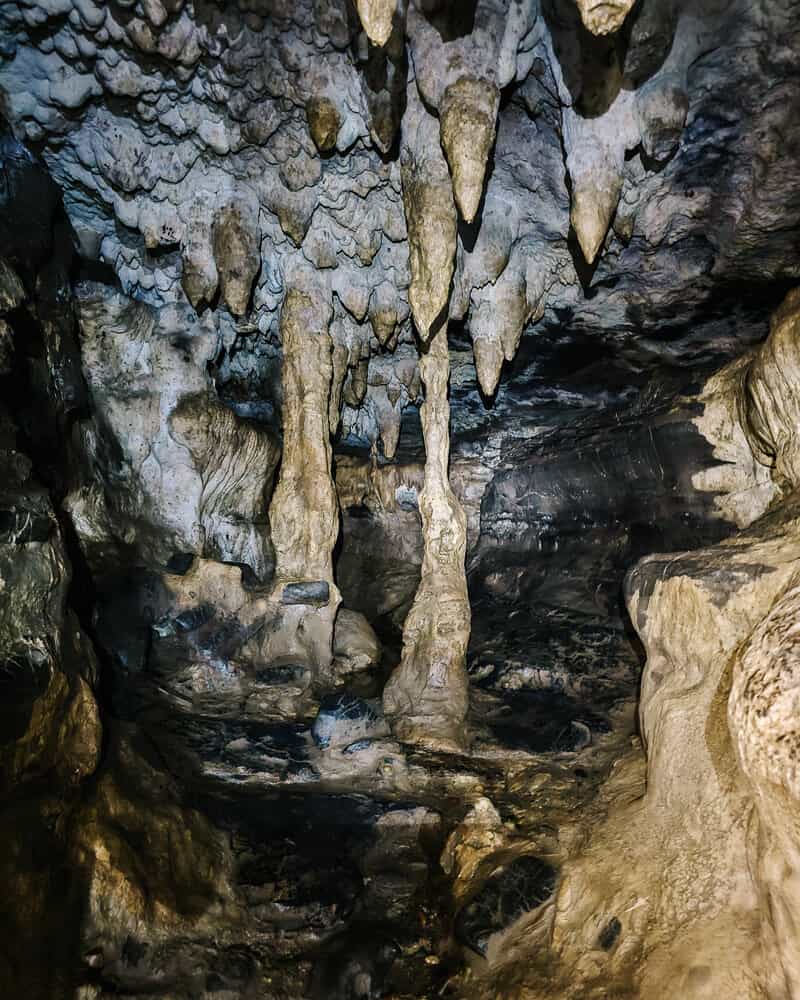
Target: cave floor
[365,867]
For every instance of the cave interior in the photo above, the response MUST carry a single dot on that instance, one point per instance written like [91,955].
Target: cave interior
[399,534]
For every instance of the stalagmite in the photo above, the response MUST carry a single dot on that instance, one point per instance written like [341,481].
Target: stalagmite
[376,17]
[315,676]
[304,510]
[426,697]
[430,215]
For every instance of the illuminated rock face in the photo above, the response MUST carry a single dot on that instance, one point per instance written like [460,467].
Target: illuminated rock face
[426,697]
[356,357]
[713,837]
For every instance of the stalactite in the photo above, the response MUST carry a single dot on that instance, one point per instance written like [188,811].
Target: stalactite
[430,215]
[468,115]
[604,17]
[376,17]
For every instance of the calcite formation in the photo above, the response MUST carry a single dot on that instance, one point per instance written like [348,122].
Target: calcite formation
[376,17]
[468,111]
[223,179]
[602,17]
[169,469]
[356,356]
[426,697]
[304,508]
[430,217]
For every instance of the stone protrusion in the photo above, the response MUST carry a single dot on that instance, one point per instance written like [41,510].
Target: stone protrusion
[237,253]
[468,115]
[324,122]
[430,215]
[489,359]
[199,277]
[770,396]
[183,463]
[595,162]
[426,697]
[604,17]
[498,315]
[763,714]
[304,510]
[595,195]
[661,109]
[376,18]
[235,461]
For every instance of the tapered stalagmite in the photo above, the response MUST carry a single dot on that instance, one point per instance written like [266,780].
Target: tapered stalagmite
[426,697]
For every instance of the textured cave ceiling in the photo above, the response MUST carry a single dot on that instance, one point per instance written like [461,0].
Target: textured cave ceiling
[224,151]
[303,699]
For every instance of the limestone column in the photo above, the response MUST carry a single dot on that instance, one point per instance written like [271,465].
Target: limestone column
[304,512]
[426,698]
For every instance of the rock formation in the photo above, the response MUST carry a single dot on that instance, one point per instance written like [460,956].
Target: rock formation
[398,499]
[426,697]
[376,17]
[712,838]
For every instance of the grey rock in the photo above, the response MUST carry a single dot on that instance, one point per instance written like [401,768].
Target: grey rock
[313,592]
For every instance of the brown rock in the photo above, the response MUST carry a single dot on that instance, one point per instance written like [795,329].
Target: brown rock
[304,512]
[430,215]
[468,113]
[324,123]
[237,254]
[603,17]
[426,697]
[376,17]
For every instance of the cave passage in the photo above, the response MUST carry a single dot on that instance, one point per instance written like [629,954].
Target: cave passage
[399,528]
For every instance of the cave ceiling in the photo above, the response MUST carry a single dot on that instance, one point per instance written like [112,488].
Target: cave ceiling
[618,186]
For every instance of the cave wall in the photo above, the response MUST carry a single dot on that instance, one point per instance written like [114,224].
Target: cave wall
[678,888]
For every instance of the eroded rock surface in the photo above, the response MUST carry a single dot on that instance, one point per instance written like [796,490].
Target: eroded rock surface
[717,684]
[426,697]
[370,346]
